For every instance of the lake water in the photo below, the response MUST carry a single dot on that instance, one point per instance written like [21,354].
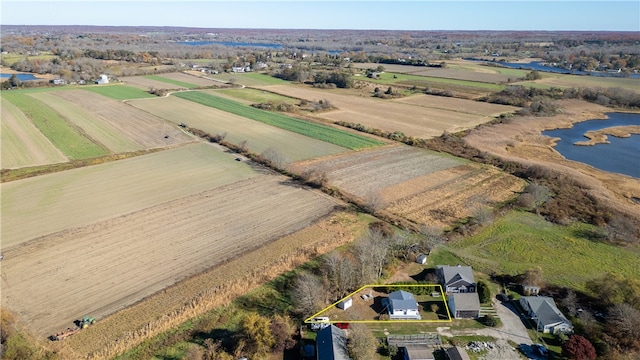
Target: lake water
[621,156]
[21,77]
[536,65]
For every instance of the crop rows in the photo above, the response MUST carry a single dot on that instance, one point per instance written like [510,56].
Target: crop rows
[316,131]
[70,140]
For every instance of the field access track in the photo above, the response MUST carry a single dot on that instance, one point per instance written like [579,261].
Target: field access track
[110,264]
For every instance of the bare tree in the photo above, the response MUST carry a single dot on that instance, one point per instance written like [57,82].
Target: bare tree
[570,302]
[623,325]
[277,159]
[533,277]
[341,273]
[371,251]
[308,293]
[432,237]
[362,344]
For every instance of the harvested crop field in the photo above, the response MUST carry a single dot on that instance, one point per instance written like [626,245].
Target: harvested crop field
[116,121]
[258,136]
[466,75]
[22,143]
[418,185]
[417,121]
[107,265]
[51,203]
[144,83]
[461,105]
[198,81]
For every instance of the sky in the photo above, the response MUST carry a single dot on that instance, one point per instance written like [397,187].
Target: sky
[584,15]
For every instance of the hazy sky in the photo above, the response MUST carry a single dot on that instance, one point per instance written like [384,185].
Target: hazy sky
[327,14]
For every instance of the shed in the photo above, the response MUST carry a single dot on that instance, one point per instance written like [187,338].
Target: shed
[345,303]
[103,79]
[464,305]
[421,259]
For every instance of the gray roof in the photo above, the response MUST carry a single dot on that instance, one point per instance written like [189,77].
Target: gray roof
[466,301]
[455,273]
[419,352]
[331,344]
[457,353]
[545,310]
[402,300]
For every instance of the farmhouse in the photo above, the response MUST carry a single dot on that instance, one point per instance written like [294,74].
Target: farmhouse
[464,305]
[402,305]
[548,317]
[331,344]
[456,279]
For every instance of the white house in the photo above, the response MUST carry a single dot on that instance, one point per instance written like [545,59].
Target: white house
[402,305]
[103,79]
[543,310]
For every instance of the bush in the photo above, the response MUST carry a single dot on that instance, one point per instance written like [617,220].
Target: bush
[489,320]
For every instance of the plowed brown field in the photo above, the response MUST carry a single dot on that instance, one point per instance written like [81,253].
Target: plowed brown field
[421,186]
[108,265]
[423,121]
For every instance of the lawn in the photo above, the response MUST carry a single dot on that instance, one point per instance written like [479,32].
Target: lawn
[568,255]
[313,130]
[73,143]
[171,81]
[120,92]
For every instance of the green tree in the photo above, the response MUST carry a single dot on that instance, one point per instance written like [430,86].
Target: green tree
[255,335]
[484,292]
[15,81]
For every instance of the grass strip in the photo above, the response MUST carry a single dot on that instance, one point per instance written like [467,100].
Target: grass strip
[312,130]
[171,81]
[73,143]
[119,92]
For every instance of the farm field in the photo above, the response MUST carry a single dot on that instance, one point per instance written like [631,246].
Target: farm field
[463,106]
[100,130]
[51,203]
[119,92]
[22,144]
[333,135]
[578,81]
[252,96]
[249,79]
[116,261]
[142,128]
[145,83]
[191,78]
[421,122]
[72,142]
[418,185]
[258,136]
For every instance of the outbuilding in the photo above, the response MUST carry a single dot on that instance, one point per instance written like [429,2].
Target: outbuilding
[421,259]
[345,303]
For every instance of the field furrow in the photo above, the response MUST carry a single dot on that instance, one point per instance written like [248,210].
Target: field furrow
[105,266]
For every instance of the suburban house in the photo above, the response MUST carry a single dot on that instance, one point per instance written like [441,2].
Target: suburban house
[543,310]
[103,79]
[402,305]
[456,279]
[457,353]
[331,344]
[417,352]
[464,305]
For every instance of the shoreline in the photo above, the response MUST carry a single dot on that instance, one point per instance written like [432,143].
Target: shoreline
[600,136]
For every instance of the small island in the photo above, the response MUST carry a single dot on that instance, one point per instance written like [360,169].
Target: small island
[600,136]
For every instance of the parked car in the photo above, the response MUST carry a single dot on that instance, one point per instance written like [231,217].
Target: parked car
[542,350]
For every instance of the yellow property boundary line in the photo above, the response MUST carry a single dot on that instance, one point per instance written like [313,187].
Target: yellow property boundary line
[310,320]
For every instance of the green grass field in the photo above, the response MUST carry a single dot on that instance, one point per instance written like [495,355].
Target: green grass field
[171,81]
[257,96]
[119,92]
[417,80]
[70,140]
[313,130]
[569,256]
[250,79]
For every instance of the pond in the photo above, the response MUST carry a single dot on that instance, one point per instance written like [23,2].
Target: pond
[621,156]
[537,65]
[231,43]
[21,77]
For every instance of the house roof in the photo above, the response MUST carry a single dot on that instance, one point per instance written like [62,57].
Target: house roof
[456,353]
[419,352]
[545,310]
[402,300]
[466,301]
[455,273]
[331,344]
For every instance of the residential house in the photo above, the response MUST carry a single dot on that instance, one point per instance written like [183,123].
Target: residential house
[464,305]
[457,353]
[456,279]
[543,310]
[103,79]
[530,290]
[402,305]
[331,344]
[417,352]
